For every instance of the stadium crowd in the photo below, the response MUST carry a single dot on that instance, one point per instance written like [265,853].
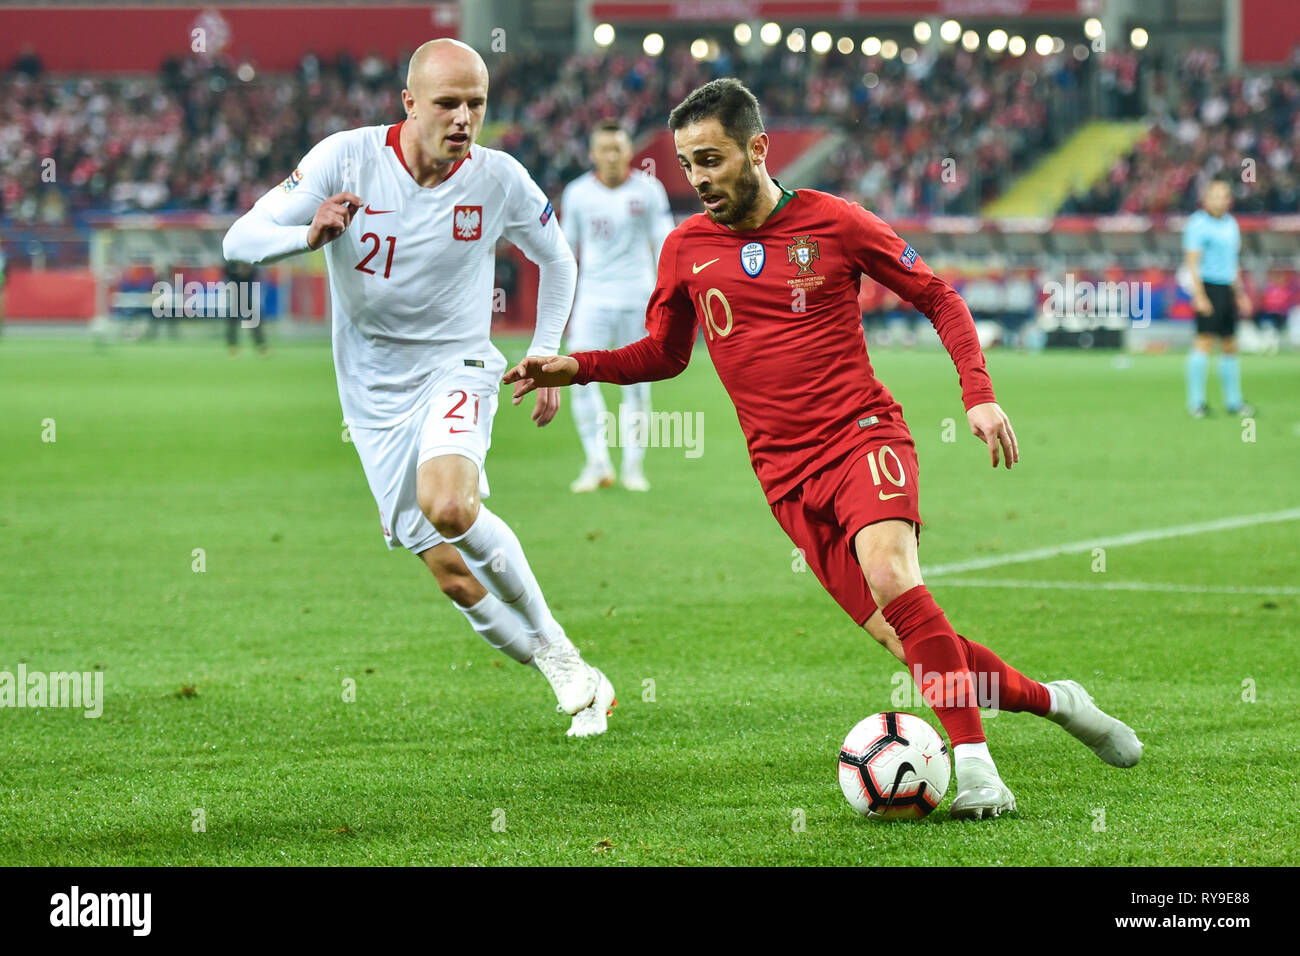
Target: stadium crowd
[901,121]
[194,136]
[942,133]
[1205,123]
[947,132]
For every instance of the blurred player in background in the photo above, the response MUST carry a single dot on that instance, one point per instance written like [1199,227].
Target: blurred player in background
[616,220]
[171,318]
[242,273]
[418,378]
[773,276]
[1211,243]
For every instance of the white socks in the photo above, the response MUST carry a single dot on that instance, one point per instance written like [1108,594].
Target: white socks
[497,625]
[595,425]
[1051,699]
[588,410]
[495,556]
[979,751]
[634,424]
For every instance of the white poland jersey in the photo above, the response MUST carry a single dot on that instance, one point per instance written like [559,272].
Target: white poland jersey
[617,233]
[411,279]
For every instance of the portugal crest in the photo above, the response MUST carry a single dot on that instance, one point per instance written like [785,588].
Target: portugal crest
[752,257]
[803,252]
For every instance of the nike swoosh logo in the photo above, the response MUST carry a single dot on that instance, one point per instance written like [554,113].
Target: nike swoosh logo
[460,431]
[377,212]
[897,494]
[903,769]
[698,269]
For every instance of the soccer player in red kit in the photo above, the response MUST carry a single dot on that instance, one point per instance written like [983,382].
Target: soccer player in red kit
[773,276]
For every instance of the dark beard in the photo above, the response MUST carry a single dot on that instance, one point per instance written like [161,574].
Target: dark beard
[746,198]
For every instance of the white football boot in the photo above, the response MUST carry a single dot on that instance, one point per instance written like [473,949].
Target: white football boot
[634,479]
[980,792]
[595,719]
[592,478]
[1112,740]
[573,679]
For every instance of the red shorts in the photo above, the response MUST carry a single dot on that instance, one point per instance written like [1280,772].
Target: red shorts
[874,482]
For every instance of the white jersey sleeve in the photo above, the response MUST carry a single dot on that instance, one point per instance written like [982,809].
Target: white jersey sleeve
[570,218]
[277,225]
[532,226]
[661,215]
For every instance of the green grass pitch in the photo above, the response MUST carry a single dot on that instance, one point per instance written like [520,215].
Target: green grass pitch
[737,676]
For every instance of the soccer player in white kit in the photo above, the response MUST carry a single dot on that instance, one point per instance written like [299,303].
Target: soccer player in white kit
[412,289]
[616,219]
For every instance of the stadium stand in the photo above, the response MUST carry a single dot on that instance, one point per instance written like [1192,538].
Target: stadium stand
[1205,123]
[200,137]
[927,144]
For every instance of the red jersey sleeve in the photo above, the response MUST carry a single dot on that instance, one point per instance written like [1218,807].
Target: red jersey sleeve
[880,253]
[666,350]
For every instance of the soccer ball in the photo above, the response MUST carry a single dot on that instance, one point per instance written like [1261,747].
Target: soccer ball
[894,766]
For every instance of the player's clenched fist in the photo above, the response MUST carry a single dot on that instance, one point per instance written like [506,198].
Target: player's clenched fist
[332,219]
[989,423]
[541,371]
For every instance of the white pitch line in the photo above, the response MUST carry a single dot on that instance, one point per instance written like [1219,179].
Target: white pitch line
[1115,586]
[1115,541]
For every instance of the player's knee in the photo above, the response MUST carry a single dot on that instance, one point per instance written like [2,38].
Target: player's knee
[450,515]
[889,575]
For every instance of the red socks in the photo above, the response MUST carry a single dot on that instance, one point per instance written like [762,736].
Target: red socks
[1009,689]
[956,676]
[937,659]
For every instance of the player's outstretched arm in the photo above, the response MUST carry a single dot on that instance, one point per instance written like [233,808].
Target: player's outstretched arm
[663,353]
[989,423]
[540,371]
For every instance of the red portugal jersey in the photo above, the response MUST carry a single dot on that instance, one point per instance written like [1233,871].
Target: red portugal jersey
[779,308]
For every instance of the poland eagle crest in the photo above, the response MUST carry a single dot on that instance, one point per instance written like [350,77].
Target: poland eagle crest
[467,223]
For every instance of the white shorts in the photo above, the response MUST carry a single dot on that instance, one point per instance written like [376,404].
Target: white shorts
[598,325]
[456,421]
